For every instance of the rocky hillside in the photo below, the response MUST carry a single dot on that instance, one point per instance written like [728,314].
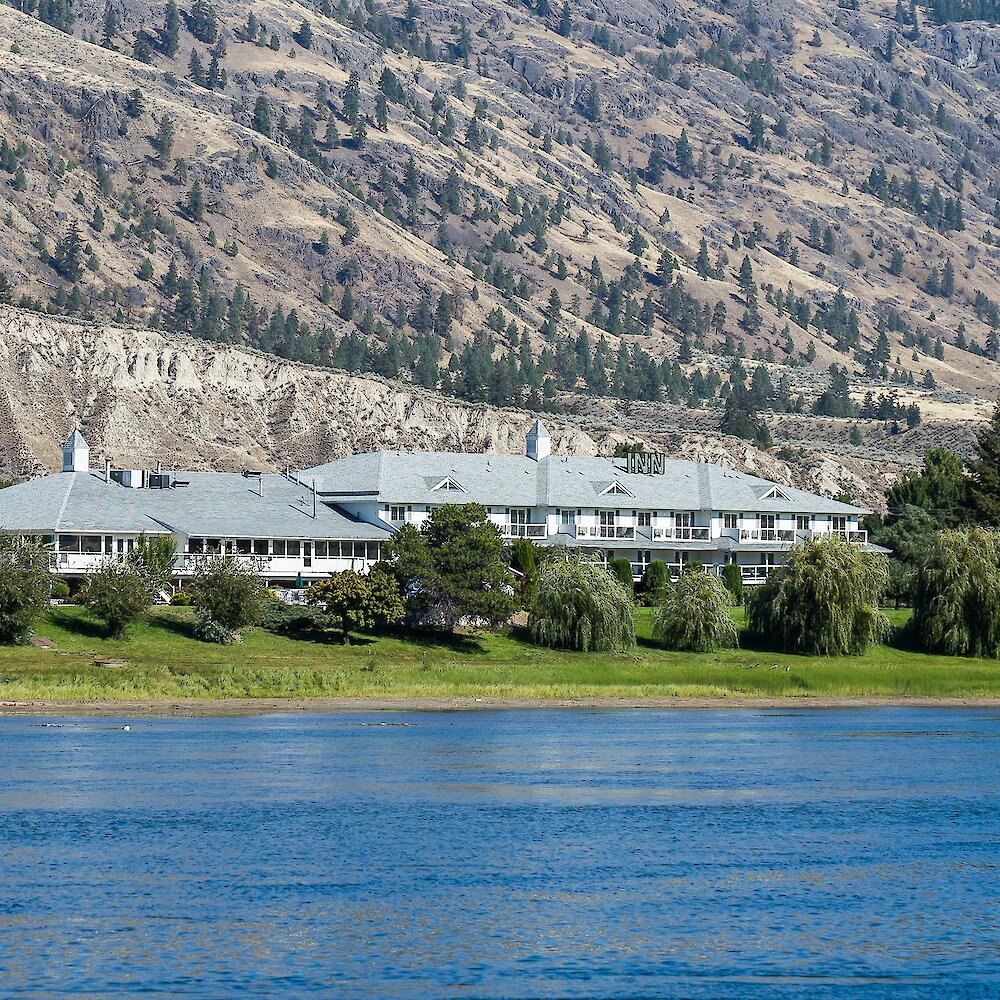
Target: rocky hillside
[663,202]
[142,396]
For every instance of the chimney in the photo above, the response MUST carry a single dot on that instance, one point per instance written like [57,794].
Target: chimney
[107,470]
[538,444]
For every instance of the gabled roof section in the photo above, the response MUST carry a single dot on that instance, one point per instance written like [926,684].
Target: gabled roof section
[616,488]
[774,493]
[448,483]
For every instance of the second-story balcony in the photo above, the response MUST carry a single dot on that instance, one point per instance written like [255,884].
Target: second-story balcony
[767,535]
[533,531]
[618,532]
[674,533]
[855,536]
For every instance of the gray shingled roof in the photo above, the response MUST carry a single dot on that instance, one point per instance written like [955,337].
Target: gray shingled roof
[214,504]
[556,481]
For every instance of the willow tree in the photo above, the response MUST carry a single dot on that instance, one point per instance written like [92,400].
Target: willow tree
[580,605]
[823,602]
[694,614]
[956,606]
[24,585]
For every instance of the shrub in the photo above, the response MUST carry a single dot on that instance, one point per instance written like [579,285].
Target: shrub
[956,604]
[181,599]
[59,589]
[117,592]
[622,569]
[277,616]
[694,616]
[655,578]
[524,558]
[733,580]
[24,586]
[824,602]
[356,601]
[156,555]
[581,606]
[208,629]
[228,593]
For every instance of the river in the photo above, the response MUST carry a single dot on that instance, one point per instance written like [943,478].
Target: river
[569,853]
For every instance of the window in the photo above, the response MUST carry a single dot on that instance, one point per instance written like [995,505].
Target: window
[840,523]
[196,545]
[372,551]
[243,546]
[92,544]
[802,522]
[69,543]
[293,548]
[260,546]
[397,513]
[567,518]
[321,548]
[213,544]
[278,546]
[729,521]
[645,519]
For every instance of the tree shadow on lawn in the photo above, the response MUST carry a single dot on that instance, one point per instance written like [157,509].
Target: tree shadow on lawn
[77,623]
[453,642]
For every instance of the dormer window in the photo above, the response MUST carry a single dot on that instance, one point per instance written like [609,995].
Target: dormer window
[448,484]
[616,488]
[775,493]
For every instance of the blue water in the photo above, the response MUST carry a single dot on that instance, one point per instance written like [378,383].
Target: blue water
[509,853]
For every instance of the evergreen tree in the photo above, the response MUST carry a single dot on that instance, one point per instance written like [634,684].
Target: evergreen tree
[304,36]
[984,488]
[170,33]
[684,155]
[67,260]
[262,116]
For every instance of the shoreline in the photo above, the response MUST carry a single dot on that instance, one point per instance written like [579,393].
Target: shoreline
[203,707]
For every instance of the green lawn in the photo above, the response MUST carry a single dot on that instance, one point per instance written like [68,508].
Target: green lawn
[163,661]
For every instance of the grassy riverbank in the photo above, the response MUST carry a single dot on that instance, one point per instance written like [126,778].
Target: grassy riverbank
[163,662]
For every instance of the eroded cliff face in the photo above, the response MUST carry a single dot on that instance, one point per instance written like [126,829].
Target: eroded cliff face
[142,396]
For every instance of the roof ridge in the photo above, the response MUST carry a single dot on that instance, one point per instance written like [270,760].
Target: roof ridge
[65,501]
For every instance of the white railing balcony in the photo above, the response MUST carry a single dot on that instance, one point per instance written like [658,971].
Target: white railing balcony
[767,535]
[524,530]
[675,569]
[606,532]
[755,574]
[682,534]
[77,562]
[855,536]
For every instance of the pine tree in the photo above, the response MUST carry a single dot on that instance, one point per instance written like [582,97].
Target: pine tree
[703,263]
[684,155]
[170,33]
[351,99]
[346,310]
[194,206]
[163,141]
[262,116]
[68,256]
[304,36]
[984,488]
[566,21]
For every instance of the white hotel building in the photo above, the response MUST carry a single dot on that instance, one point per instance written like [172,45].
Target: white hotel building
[295,528]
